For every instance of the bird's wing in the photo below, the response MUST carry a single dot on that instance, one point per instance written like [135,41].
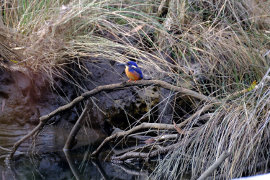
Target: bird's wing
[137,70]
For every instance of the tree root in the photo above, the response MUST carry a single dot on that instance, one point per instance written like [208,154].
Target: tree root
[112,87]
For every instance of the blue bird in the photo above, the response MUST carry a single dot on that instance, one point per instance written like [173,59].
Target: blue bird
[132,71]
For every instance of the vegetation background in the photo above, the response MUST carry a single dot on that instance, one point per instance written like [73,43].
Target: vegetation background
[218,48]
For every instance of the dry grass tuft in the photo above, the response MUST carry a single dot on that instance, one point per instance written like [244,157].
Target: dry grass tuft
[240,126]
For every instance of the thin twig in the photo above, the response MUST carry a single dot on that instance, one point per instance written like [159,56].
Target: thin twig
[196,114]
[5,149]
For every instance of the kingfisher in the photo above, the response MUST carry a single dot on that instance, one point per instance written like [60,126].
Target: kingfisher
[132,71]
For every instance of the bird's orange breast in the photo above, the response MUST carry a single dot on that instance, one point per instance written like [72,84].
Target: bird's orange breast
[132,75]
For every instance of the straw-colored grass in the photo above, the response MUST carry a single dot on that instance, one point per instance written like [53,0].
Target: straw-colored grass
[216,47]
[240,126]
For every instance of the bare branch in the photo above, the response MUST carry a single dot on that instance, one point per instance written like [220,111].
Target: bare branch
[153,126]
[72,166]
[214,166]
[5,149]
[143,155]
[134,129]
[110,87]
[18,143]
[75,130]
